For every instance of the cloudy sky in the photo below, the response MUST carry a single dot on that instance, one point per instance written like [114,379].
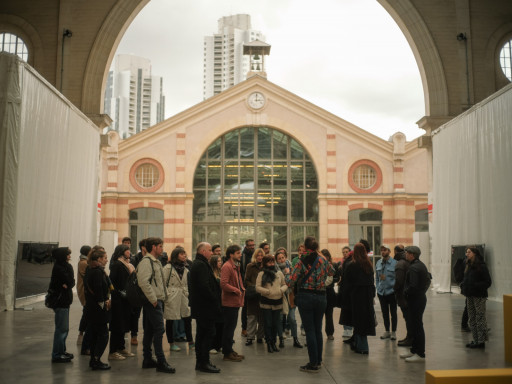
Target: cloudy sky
[346,56]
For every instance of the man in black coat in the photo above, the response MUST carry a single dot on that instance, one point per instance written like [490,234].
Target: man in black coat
[205,305]
[417,282]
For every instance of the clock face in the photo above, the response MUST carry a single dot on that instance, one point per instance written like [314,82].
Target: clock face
[256,100]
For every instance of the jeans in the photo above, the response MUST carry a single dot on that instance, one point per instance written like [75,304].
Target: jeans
[272,319]
[153,325]
[312,309]
[292,322]
[230,320]
[388,306]
[61,332]
[416,307]
[205,332]
[169,329]
[361,342]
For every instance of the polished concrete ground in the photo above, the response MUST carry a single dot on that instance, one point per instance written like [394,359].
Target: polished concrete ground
[26,340]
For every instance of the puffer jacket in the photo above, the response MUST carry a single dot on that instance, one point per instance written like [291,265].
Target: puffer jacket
[476,280]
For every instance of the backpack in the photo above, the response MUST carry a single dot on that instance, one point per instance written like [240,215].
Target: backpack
[134,294]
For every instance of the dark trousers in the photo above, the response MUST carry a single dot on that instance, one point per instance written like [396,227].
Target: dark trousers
[99,339]
[244,315]
[153,325]
[312,309]
[388,306]
[205,332]
[416,307]
[83,322]
[465,317]
[217,340]
[230,320]
[188,329]
[329,322]
[405,313]
[83,327]
[134,321]
[271,319]
[116,341]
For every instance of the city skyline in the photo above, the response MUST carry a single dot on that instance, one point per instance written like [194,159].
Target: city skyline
[349,58]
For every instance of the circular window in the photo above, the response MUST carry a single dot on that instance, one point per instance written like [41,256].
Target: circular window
[506,59]
[146,175]
[364,176]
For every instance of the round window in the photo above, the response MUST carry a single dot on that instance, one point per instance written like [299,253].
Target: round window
[364,177]
[147,175]
[506,59]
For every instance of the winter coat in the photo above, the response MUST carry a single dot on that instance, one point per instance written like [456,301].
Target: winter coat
[476,280]
[204,292]
[82,266]
[361,291]
[231,284]
[401,268]
[154,289]
[417,280]
[62,273]
[121,309]
[344,294]
[97,291]
[251,274]
[272,291]
[176,306]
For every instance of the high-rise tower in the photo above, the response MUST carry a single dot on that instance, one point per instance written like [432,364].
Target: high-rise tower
[133,98]
[224,62]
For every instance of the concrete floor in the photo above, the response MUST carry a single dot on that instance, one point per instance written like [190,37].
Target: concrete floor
[26,339]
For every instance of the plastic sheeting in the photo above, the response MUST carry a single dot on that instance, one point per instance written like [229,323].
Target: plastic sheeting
[51,170]
[472,189]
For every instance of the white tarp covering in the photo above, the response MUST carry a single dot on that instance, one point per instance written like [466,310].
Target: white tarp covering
[472,190]
[49,169]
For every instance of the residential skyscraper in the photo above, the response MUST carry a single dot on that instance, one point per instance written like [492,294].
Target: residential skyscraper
[224,62]
[133,97]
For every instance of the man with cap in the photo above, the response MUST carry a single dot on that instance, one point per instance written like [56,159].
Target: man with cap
[417,282]
[385,281]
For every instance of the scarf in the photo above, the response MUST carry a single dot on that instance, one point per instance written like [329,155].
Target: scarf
[269,275]
[180,268]
[127,264]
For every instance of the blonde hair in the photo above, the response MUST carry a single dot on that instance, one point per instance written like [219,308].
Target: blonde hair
[255,253]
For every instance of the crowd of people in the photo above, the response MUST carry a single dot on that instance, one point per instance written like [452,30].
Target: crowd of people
[269,288]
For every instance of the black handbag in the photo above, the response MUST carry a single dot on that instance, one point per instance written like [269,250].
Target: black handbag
[134,294]
[52,298]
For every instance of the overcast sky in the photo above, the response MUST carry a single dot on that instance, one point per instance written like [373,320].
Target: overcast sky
[346,56]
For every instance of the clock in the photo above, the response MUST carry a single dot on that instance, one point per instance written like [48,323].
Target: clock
[256,100]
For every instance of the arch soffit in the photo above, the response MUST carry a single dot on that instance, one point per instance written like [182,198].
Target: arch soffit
[102,52]
[427,56]
[20,27]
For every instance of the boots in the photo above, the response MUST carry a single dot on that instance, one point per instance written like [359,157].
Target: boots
[97,365]
[296,343]
[274,348]
[269,348]
[281,342]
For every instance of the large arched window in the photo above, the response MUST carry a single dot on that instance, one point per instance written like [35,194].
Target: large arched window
[255,183]
[13,44]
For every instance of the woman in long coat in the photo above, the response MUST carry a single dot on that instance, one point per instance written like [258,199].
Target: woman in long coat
[254,315]
[176,306]
[360,287]
[120,270]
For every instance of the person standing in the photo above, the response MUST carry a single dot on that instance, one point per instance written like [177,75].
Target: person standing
[331,297]
[62,282]
[417,281]
[97,305]
[233,293]
[83,338]
[270,284]
[310,275]
[359,280]
[204,305]
[216,264]
[136,311]
[255,323]
[347,329]
[385,280]
[246,259]
[474,286]
[150,278]
[401,268]
[120,270]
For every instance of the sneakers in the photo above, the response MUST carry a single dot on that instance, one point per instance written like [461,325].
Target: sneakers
[126,353]
[232,357]
[79,339]
[415,359]
[134,341]
[393,336]
[347,333]
[116,356]
[386,335]
[175,348]
[406,355]
[213,351]
[309,368]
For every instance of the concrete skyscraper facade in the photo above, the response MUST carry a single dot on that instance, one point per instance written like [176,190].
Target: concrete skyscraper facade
[224,62]
[133,97]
